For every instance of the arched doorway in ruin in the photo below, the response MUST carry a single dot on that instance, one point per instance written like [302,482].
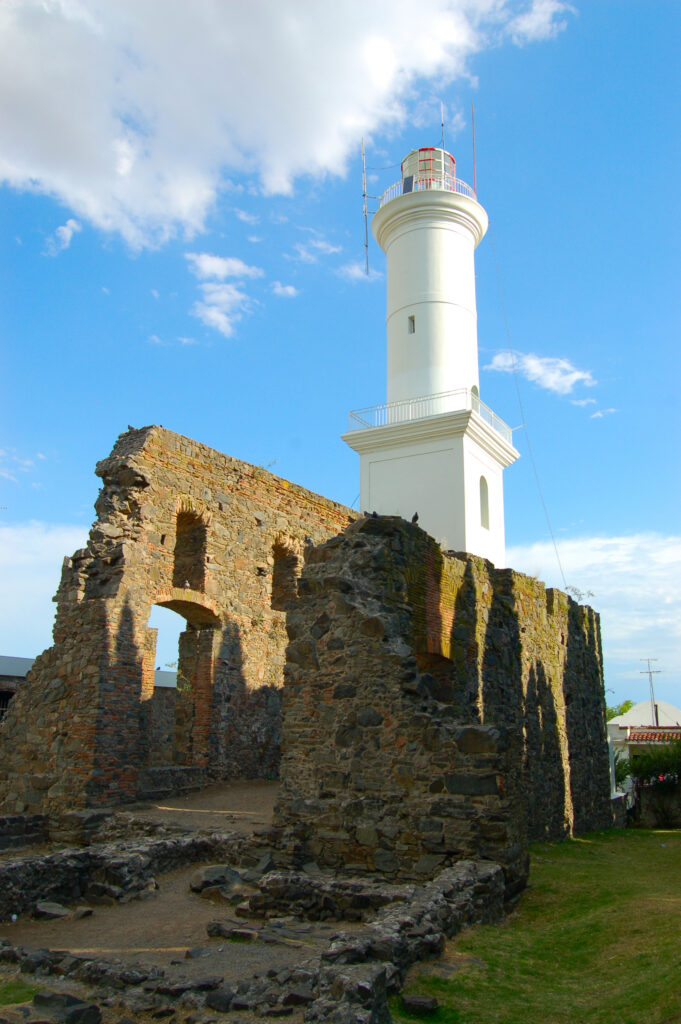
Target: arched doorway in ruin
[176,720]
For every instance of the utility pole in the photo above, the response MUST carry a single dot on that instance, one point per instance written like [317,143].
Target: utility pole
[650,672]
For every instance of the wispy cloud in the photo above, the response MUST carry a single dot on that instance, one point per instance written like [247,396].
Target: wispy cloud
[635,583]
[284,291]
[601,413]
[356,272]
[583,401]
[12,464]
[549,372]
[544,20]
[221,307]
[61,239]
[309,252]
[204,265]
[222,302]
[246,218]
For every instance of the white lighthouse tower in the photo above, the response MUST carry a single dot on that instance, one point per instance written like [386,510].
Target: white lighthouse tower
[434,448]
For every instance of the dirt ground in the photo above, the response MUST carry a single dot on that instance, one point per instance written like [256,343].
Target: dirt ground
[167,923]
[167,929]
[243,806]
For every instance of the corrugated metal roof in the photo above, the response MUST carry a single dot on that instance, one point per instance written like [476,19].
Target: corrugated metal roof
[17,668]
[14,666]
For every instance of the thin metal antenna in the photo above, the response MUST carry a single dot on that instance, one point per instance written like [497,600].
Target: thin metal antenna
[650,672]
[475,174]
[442,126]
[364,208]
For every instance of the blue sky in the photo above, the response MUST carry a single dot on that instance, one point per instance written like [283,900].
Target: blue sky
[182,244]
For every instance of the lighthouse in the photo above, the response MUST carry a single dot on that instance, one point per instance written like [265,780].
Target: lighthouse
[433,447]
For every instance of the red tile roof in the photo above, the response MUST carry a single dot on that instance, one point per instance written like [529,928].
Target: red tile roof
[668,735]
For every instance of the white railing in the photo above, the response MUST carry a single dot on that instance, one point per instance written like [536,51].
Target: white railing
[446,184]
[430,405]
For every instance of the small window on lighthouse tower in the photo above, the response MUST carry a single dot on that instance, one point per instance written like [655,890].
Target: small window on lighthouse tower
[411,325]
[484,503]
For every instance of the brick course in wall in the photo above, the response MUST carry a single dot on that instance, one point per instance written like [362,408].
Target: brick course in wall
[186,527]
[436,708]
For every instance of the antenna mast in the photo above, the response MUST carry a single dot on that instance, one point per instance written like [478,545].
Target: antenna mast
[475,175]
[364,209]
[442,126]
[650,672]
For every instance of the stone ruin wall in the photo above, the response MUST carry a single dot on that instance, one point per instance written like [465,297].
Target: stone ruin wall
[214,539]
[436,708]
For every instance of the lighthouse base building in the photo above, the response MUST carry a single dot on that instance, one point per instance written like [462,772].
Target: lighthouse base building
[445,468]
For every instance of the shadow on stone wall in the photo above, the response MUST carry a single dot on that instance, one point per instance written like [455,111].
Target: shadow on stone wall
[116,759]
[549,810]
[246,720]
[585,721]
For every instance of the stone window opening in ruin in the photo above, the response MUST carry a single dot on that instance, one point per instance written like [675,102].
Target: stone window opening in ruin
[189,559]
[285,573]
[484,503]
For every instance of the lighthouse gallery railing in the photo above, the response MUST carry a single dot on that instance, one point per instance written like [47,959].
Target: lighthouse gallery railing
[419,184]
[430,405]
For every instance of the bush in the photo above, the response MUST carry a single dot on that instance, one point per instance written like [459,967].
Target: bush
[660,764]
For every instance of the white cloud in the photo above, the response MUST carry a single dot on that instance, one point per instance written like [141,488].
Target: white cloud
[583,401]
[11,463]
[550,372]
[356,272]
[221,307]
[203,265]
[246,218]
[137,120]
[309,252]
[542,21]
[635,585]
[222,304]
[284,291]
[31,555]
[601,413]
[61,239]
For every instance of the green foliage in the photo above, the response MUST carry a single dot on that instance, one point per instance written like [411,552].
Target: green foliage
[658,764]
[16,992]
[593,940]
[618,709]
[622,769]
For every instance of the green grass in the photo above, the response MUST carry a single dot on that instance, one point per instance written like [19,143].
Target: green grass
[595,939]
[16,992]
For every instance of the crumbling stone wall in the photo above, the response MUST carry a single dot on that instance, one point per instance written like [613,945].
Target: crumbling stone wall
[186,527]
[436,708]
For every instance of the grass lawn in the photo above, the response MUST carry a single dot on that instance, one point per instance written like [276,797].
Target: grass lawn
[16,992]
[596,938]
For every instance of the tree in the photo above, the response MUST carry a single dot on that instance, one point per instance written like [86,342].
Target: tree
[618,709]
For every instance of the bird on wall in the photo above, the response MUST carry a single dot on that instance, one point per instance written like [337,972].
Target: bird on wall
[415,517]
